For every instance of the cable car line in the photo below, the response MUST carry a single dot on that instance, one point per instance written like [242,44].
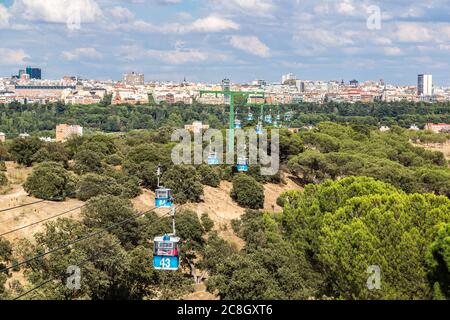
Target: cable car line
[168,266]
[64,273]
[40,221]
[88,236]
[22,205]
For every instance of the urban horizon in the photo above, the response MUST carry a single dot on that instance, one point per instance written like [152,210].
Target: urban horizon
[187,78]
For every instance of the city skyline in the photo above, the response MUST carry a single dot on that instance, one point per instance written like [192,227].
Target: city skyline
[243,40]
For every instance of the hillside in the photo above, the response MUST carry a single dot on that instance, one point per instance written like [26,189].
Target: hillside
[217,203]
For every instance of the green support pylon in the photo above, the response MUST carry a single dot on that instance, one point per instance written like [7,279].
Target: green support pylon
[231,131]
[231,94]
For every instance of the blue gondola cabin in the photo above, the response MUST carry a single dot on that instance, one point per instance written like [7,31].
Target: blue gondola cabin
[242,164]
[259,129]
[166,252]
[163,198]
[213,159]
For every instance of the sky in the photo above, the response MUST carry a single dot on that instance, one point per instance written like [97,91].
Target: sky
[244,40]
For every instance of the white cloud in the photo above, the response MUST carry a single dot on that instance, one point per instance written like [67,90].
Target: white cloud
[212,23]
[393,51]
[121,14]
[346,8]
[251,45]
[413,32]
[79,53]
[57,11]
[324,37]
[263,8]
[177,56]
[13,56]
[4,16]
[382,41]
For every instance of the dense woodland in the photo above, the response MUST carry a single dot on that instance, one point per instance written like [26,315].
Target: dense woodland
[370,198]
[42,119]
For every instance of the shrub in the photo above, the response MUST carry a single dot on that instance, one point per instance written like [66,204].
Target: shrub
[88,161]
[2,166]
[185,183]
[131,188]
[207,222]
[114,159]
[92,185]
[3,179]
[23,149]
[247,192]
[209,175]
[49,181]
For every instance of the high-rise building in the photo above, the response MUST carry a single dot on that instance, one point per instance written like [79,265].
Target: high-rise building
[34,73]
[425,85]
[288,78]
[133,79]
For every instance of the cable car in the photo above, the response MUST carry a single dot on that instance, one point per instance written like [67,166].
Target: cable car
[237,124]
[259,128]
[163,198]
[268,119]
[212,158]
[166,251]
[242,164]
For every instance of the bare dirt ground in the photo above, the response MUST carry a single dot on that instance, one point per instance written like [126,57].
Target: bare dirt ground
[200,293]
[19,217]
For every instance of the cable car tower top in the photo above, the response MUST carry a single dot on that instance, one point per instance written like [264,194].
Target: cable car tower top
[229,98]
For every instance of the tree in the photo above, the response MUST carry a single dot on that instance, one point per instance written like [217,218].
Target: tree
[438,260]
[92,185]
[87,161]
[247,192]
[207,222]
[106,210]
[51,151]
[50,181]
[209,175]
[23,149]
[185,183]
[346,226]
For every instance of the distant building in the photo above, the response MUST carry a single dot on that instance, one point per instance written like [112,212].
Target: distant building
[438,128]
[384,129]
[354,83]
[261,83]
[289,78]
[133,79]
[64,131]
[425,85]
[196,127]
[24,135]
[34,73]
[2,137]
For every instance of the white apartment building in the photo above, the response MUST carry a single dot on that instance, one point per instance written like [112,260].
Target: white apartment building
[425,85]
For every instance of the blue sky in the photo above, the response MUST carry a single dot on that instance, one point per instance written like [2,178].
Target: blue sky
[239,39]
